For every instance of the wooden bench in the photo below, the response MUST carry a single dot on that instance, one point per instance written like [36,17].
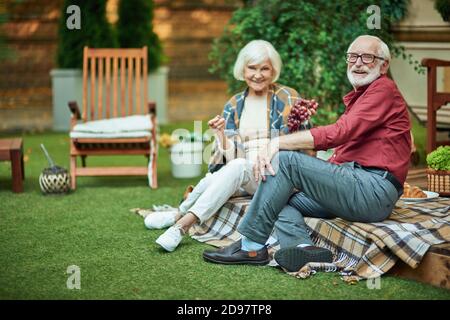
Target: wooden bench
[434,268]
[12,150]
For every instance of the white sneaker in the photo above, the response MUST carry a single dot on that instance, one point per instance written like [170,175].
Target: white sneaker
[160,219]
[170,239]
[164,207]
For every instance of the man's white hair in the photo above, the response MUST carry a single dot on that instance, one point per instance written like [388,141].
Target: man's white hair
[383,49]
[256,52]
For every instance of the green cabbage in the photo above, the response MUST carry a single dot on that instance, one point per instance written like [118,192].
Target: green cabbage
[439,159]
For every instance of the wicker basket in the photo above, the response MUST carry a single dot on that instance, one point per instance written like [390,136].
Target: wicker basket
[54,180]
[439,181]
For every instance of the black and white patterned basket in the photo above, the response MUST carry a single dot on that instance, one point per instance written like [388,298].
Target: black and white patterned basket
[54,180]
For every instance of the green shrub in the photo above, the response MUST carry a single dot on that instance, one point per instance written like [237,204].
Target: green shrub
[312,38]
[95,32]
[135,29]
[439,159]
[5,52]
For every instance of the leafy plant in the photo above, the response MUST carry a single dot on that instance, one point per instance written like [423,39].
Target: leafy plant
[439,159]
[312,38]
[443,6]
[135,29]
[95,32]
[182,135]
[166,140]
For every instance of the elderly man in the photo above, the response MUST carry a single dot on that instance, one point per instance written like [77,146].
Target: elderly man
[361,182]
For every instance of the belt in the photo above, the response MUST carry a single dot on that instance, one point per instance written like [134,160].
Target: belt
[387,175]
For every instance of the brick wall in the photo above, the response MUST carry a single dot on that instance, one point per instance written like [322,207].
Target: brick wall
[25,84]
[186,28]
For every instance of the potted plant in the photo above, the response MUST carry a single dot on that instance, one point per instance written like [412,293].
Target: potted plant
[443,7]
[135,30]
[438,171]
[186,154]
[95,32]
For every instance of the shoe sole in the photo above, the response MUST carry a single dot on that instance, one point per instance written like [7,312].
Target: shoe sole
[252,262]
[293,259]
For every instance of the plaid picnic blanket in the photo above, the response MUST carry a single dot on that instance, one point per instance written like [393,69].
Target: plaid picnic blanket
[360,250]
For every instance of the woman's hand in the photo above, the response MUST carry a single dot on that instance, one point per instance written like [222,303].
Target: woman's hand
[263,160]
[217,124]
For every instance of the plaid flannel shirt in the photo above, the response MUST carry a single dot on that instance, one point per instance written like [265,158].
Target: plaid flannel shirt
[279,104]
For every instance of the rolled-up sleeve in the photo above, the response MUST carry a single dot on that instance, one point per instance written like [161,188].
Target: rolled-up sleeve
[230,132]
[365,115]
[319,134]
[230,152]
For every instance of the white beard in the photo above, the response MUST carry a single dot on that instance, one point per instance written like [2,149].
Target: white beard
[372,75]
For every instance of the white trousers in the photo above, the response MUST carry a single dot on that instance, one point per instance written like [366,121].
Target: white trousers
[214,190]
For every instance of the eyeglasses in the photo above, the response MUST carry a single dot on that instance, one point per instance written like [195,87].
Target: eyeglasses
[365,57]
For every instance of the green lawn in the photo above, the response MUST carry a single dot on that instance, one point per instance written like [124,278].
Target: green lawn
[92,228]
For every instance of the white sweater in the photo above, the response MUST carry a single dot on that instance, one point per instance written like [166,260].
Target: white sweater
[252,129]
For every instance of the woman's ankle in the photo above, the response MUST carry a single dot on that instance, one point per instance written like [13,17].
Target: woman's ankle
[187,221]
[178,216]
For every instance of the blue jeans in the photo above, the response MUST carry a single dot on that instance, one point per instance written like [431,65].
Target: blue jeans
[326,191]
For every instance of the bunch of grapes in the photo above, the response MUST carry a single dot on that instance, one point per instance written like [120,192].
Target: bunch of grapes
[300,113]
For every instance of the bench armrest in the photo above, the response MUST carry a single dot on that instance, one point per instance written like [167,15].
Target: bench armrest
[152,108]
[76,115]
[73,106]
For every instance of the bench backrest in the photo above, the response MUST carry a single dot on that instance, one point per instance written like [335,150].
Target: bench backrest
[435,101]
[442,116]
[114,83]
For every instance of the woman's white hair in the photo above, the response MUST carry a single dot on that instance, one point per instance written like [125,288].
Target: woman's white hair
[256,52]
[383,49]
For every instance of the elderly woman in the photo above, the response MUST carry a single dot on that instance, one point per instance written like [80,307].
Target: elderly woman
[249,119]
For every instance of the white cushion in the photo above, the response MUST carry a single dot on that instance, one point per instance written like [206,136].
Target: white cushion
[111,135]
[126,127]
[131,123]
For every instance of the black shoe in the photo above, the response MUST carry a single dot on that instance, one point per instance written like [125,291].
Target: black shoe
[294,258]
[234,255]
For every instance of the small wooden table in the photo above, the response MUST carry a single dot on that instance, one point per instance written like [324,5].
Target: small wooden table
[12,150]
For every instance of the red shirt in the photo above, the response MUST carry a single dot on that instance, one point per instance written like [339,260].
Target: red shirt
[373,131]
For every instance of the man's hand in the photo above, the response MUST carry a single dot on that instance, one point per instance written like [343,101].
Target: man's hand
[263,160]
